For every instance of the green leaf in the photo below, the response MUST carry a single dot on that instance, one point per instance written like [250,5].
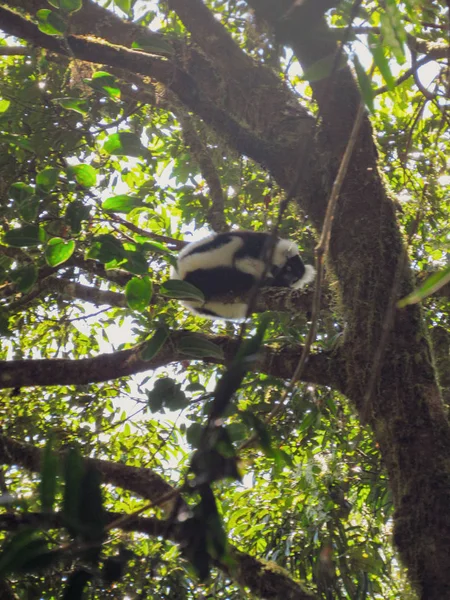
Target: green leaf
[28,235]
[152,43]
[49,475]
[261,430]
[91,504]
[4,324]
[194,434]
[124,144]
[135,262]
[58,251]
[393,30]
[431,285]
[381,60]
[47,178]
[17,140]
[121,204]
[20,191]
[73,474]
[124,5]
[199,347]
[76,212]
[181,290]
[26,552]
[138,293]
[106,248]
[76,582]
[166,393]
[85,175]
[152,346]
[50,23]
[24,277]
[365,84]
[79,105]
[104,82]
[29,209]
[324,67]
[68,6]
[4,105]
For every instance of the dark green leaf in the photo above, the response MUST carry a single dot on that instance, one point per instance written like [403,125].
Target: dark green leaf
[134,262]
[47,179]
[22,553]
[260,428]
[196,346]
[76,212]
[91,513]
[29,209]
[365,84]
[75,585]
[168,394]
[20,191]
[106,248]
[58,251]
[138,293]
[194,434]
[49,474]
[25,277]
[50,23]
[73,475]
[125,143]
[28,235]
[181,290]
[121,204]
[4,324]
[152,346]
[85,175]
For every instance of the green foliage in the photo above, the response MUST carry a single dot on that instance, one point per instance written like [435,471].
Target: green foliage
[98,184]
[50,22]
[138,293]
[58,251]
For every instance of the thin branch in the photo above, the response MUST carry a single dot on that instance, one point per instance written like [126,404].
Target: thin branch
[208,170]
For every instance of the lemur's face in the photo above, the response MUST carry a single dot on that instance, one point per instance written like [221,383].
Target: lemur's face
[289,273]
[293,270]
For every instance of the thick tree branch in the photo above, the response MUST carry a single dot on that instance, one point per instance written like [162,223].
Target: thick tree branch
[321,369]
[265,579]
[177,80]
[406,411]
[143,482]
[259,575]
[211,36]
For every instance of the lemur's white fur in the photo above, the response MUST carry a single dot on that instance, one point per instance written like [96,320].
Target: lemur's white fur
[223,256]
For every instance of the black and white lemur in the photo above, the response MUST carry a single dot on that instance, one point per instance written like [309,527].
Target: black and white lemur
[227,265]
